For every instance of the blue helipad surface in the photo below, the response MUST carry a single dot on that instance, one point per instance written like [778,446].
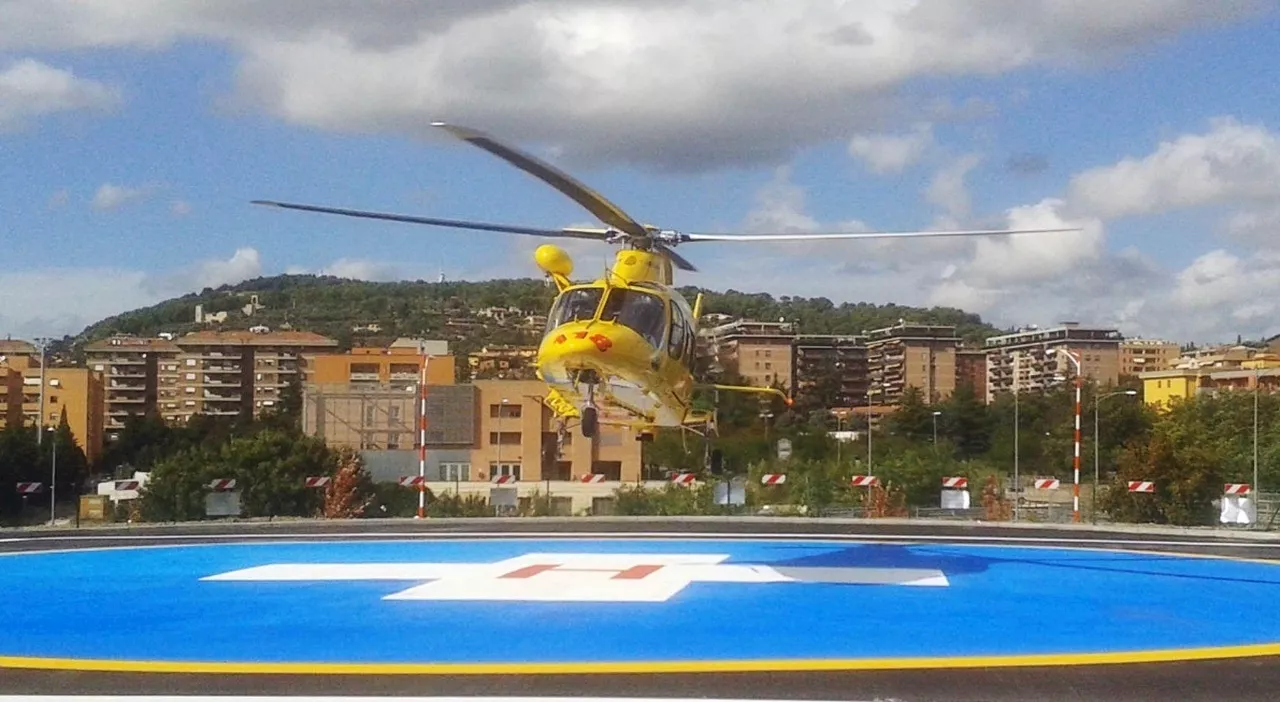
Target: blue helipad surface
[521,601]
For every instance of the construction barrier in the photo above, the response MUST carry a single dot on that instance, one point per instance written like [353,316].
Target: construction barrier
[126,485]
[955,493]
[503,479]
[773,479]
[1141,486]
[412,481]
[592,478]
[1238,505]
[683,478]
[864,481]
[317,481]
[1047,483]
[222,484]
[29,488]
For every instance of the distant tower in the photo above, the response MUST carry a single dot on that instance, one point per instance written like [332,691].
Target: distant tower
[441,278]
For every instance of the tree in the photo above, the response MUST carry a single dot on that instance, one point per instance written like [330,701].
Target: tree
[966,423]
[1187,480]
[350,491]
[913,419]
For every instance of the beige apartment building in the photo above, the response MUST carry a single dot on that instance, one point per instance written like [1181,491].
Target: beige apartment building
[1030,360]
[474,432]
[911,355]
[759,352]
[1139,356]
[231,373]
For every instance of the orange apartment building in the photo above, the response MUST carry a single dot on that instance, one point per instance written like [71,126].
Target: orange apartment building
[1030,360]
[397,364]
[1139,356]
[77,392]
[759,352]
[911,355]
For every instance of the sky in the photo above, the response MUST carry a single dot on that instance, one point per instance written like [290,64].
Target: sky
[134,134]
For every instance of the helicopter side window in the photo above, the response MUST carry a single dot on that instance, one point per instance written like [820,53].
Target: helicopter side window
[676,347]
[643,313]
[574,305]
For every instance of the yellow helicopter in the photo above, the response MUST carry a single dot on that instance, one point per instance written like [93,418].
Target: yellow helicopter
[619,350]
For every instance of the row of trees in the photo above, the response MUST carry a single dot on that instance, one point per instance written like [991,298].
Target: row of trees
[1190,450]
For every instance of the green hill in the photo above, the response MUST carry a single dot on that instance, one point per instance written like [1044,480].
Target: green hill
[337,307]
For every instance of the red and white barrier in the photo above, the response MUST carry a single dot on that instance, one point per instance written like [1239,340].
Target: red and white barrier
[955,483]
[1048,483]
[223,484]
[503,479]
[1141,486]
[1238,489]
[864,481]
[683,478]
[592,478]
[317,481]
[126,485]
[411,480]
[29,488]
[773,479]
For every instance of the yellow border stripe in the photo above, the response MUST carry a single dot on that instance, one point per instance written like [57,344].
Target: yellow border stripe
[623,667]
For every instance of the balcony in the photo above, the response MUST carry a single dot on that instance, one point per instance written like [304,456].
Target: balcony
[211,397]
[364,377]
[221,368]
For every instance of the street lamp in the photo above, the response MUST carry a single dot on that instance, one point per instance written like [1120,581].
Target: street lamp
[502,411]
[1075,459]
[53,478]
[1256,491]
[935,429]
[1097,442]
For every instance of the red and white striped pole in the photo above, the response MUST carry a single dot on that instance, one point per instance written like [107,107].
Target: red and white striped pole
[1075,461]
[422,439]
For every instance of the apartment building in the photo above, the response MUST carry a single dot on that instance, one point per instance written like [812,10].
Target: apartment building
[399,364]
[759,352]
[242,373]
[140,376]
[816,357]
[475,431]
[911,355]
[231,373]
[1138,356]
[1030,360]
[76,393]
[971,370]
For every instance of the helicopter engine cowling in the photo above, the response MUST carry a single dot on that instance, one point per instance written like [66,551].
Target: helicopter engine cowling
[553,260]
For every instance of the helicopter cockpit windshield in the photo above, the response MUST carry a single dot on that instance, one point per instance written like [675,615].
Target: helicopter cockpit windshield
[643,313]
[574,305]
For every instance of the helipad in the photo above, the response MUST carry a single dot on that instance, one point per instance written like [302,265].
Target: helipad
[564,605]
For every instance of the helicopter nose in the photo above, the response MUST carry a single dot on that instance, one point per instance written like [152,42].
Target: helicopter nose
[580,344]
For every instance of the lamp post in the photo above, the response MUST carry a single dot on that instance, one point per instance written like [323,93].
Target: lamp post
[43,343]
[1075,459]
[1256,491]
[935,429]
[53,478]
[502,411]
[1017,484]
[1097,443]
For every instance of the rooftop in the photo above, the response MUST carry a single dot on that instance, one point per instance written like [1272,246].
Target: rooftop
[248,338]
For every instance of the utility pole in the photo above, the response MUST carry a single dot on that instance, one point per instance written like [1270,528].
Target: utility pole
[43,343]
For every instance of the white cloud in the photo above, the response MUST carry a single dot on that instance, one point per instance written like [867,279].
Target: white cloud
[947,189]
[58,301]
[30,89]
[779,207]
[360,269]
[110,196]
[891,153]
[1231,163]
[695,84]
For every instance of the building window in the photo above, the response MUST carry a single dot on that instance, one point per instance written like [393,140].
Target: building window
[506,438]
[505,411]
[504,468]
[393,415]
[455,471]
[369,414]
[393,441]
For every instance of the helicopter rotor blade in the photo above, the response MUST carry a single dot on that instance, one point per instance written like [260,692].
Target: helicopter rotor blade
[568,232]
[819,236]
[680,261]
[594,202]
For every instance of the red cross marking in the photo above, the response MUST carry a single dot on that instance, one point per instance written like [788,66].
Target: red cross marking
[638,572]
